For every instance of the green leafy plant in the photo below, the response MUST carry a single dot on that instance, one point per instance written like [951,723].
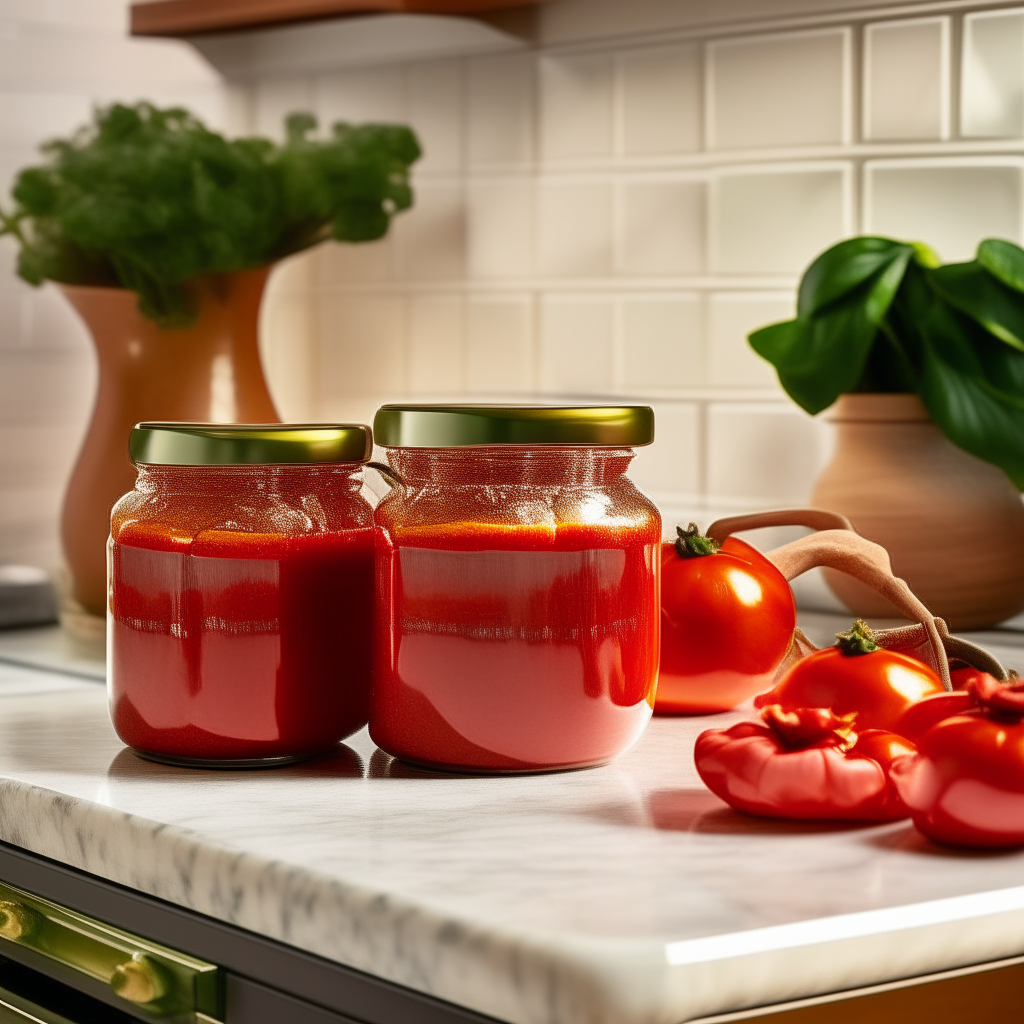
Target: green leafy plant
[874,314]
[148,198]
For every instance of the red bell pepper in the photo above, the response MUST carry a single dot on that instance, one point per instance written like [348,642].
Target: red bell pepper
[965,784]
[806,764]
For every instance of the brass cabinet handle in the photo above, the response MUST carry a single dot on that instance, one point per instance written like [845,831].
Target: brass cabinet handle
[139,980]
[161,981]
[17,921]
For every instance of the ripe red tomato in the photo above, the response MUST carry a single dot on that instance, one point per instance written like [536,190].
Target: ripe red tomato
[806,764]
[727,620]
[965,784]
[920,717]
[878,685]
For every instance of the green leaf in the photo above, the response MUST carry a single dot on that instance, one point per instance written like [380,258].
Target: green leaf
[985,298]
[973,417]
[819,359]
[822,355]
[844,267]
[1003,260]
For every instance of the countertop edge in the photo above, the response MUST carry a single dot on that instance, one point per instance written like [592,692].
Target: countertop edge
[520,977]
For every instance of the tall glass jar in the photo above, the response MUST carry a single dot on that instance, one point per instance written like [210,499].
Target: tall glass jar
[518,573]
[241,593]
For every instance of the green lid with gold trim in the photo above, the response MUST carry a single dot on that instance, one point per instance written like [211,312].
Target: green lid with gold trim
[457,426]
[248,444]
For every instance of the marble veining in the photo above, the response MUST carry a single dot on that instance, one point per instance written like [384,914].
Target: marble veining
[623,894]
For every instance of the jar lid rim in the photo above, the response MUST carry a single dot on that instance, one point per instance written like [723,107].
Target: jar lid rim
[416,425]
[248,444]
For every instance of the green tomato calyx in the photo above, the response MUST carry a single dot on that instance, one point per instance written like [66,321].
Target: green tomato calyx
[691,543]
[858,639]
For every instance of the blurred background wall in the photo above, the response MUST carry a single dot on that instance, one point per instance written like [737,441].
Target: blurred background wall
[604,210]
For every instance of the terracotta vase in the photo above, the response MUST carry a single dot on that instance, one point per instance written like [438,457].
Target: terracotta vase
[953,525]
[210,372]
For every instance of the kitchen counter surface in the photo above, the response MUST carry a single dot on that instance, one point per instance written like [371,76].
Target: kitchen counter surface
[621,894]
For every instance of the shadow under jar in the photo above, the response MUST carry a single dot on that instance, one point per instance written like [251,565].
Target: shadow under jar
[518,572]
[241,593]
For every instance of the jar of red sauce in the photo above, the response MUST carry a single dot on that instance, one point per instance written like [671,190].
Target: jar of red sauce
[241,593]
[518,572]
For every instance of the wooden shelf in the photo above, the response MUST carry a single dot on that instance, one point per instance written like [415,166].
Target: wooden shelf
[198,17]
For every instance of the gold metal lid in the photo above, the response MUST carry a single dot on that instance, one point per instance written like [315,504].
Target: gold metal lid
[456,426]
[248,444]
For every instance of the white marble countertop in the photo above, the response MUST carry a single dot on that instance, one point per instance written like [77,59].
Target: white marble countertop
[623,894]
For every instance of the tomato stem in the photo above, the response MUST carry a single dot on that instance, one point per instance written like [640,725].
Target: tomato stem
[691,543]
[858,639]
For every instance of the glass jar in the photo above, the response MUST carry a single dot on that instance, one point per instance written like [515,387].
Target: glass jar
[241,593]
[518,587]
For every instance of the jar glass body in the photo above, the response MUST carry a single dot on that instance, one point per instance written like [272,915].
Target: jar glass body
[518,622]
[240,604]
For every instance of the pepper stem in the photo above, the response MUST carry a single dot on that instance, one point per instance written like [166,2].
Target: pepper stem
[691,543]
[859,639]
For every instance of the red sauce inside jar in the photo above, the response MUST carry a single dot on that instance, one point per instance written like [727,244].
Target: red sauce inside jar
[231,644]
[516,647]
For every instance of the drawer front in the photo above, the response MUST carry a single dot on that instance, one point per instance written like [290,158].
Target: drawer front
[149,980]
[15,1010]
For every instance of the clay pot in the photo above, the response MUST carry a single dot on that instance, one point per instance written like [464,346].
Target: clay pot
[207,372]
[953,525]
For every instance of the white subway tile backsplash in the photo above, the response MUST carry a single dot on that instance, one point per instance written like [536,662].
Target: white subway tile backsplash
[31,119]
[790,89]
[775,221]
[295,274]
[336,265]
[50,323]
[275,99]
[577,344]
[992,75]
[574,228]
[662,100]
[288,350]
[673,465]
[500,121]
[950,204]
[731,317]
[109,17]
[607,218]
[500,227]
[662,226]
[499,344]
[13,315]
[430,239]
[27,452]
[25,510]
[663,341]
[576,106]
[46,387]
[906,79]
[436,347]
[435,114]
[361,347]
[8,255]
[41,62]
[366,94]
[762,453]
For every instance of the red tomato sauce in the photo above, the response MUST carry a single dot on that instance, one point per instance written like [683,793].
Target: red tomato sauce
[515,647]
[236,645]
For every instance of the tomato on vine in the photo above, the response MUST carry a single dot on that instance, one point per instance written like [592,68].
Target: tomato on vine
[856,676]
[727,621]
